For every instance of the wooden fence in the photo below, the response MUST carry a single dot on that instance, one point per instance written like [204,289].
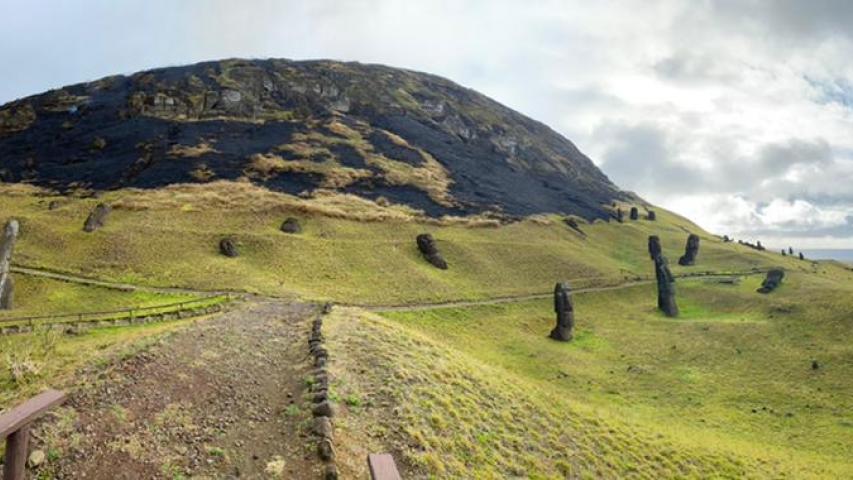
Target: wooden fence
[15,428]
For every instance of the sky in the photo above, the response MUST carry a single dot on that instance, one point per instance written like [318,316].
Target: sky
[735,113]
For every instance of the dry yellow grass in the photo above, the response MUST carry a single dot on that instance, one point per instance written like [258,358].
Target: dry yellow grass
[334,174]
[192,151]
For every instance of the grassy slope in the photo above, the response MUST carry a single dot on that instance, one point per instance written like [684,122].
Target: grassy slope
[347,260]
[484,394]
[43,296]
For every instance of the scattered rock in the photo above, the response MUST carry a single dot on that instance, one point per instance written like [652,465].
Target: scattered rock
[291,225]
[323,409]
[330,472]
[690,251]
[429,249]
[323,427]
[36,459]
[327,308]
[7,247]
[635,213]
[772,281]
[565,313]
[815,365]
[97,219]
[228,248]
[326,450]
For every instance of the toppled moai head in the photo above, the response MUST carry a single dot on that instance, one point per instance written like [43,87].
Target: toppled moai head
[429,249]
[291,225]
[772,281]
[228,247]
[97,219]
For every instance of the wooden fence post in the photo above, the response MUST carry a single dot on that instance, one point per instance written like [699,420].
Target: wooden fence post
[15,428]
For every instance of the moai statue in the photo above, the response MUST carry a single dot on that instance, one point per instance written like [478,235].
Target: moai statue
[690,251]
[651,216]
[7,246]
[97,218]
[790,250]
[565,313]
[654,247]
[429,249]
[784,253]
[802,257]
[620,215]
[635,213]
[759,246]
[666,287]
[772,281]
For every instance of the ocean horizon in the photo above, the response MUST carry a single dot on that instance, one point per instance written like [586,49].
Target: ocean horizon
[840,254]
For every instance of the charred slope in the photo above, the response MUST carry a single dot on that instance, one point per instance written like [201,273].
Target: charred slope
[377,131]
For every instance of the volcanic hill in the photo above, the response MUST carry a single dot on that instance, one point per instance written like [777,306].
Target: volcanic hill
[296,127]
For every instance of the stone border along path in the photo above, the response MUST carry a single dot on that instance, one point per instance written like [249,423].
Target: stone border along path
[322,409]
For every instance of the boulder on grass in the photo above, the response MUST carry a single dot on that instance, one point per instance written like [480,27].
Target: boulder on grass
[291,225]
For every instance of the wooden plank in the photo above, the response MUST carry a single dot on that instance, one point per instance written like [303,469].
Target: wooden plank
[16,454]
[24,414]
[382,467]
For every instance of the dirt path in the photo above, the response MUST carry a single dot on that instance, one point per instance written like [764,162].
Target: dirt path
[222,399]
[522,298]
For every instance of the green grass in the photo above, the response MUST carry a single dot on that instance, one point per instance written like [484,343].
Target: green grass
[634,394]
[36,296]
[347,260]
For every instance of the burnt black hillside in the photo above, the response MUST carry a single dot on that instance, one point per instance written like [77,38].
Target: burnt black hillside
[372,130]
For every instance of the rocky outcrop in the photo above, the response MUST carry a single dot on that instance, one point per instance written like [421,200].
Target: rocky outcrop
[690,251]
[429,249]
[565,311]
[635,213]
[291,225]
[228,247]
[772,280]
[97,219]
[654,247]
[7,247]
[666,287]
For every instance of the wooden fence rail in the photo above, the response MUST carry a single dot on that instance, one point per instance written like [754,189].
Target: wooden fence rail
[382,467]
[129,313]
[15,429]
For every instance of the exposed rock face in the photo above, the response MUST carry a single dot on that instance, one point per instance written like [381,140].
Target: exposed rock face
[654,247]
[228,248]
[635,213]
[429,249]
[772,281]
[666,287]
[291,225]
[651,216]
[97,219]
[690,251]
[369,124]
[7,247]
[565,311]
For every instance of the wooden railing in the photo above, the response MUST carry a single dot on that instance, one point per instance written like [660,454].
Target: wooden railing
[15,428]
[382,467]
[127,313]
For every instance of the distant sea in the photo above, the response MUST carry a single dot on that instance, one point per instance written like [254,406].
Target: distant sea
[842,255]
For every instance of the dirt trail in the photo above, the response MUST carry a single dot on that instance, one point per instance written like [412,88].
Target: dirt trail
[222,399]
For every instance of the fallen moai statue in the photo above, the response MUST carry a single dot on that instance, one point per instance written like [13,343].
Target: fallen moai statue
[690,251]
[772,281]
[565,311]
[97,219]
[7,246]
[228,248]
[429,249]
[573,224]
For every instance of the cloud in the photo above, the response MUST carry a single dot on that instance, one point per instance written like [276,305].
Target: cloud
[736,113]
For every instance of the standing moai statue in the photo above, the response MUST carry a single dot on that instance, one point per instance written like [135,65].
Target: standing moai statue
[802,257]
[7,246]
[651,216]
[565,313]
[690,251]
[635,213]
[784,253]
[654,247]
[97,219]
[790,250]
[666,287]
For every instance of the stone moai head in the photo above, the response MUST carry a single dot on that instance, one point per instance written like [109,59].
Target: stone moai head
[564,309]
[666,287]
[652,216]
[654,247]
[429,249]
[635,213]
[690,251]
